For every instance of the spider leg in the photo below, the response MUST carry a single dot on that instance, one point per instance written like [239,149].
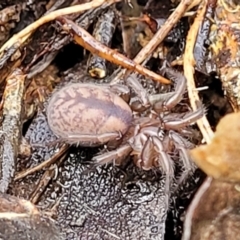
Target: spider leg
[164,162]
[91,140]
[117,155]
[182,145]
[121,90]
[171,99]
[153,155]
[167,166]
[188,119]
[141,137]
[146,159]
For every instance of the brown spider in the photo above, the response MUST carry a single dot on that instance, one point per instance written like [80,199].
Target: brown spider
[92,115]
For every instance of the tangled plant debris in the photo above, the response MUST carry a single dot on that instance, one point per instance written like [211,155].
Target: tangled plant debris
[47,45]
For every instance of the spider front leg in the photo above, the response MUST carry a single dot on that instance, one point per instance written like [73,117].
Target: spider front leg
[166,165]
[117,156]
[163,102]
[121,90]
[140,102]
[182,145]
[154,155]
[186,120]
[160,102]
[164,160]
[145,159]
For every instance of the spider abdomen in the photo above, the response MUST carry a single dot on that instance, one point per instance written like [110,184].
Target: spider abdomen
[88,114]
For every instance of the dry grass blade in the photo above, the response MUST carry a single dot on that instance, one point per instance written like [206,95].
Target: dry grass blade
[49,175]
[163,31]
[188,66]
[193,4]
[22,36]
[42,165]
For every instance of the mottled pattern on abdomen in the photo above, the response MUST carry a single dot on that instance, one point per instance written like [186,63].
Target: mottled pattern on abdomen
[89,109]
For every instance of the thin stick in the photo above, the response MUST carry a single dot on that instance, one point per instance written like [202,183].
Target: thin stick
[84,39]
[163,31]
[159,36]
[26,32]
[45,179]
[42,165]
[188,66]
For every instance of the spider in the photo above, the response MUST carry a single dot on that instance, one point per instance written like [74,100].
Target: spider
[92,115]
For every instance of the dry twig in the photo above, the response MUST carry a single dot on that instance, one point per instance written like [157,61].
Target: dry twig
[188,66]
[42,165]
[49,175]
[147,51]
[22,36]
[11,123]
[84,39]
